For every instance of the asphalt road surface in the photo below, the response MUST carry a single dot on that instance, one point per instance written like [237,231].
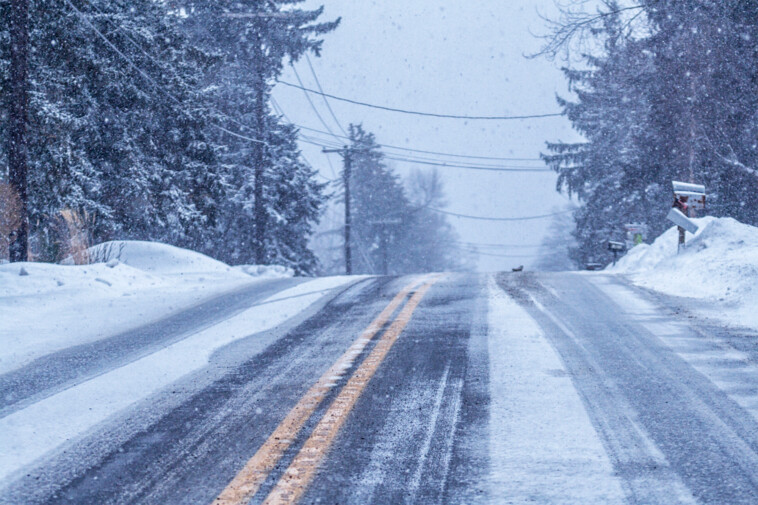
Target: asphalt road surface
[450,388]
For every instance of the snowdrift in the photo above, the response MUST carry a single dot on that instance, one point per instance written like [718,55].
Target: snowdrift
[719,264]
[157,258]
[46,307]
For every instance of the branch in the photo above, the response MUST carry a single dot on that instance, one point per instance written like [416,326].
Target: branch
[731,159]
[576,24]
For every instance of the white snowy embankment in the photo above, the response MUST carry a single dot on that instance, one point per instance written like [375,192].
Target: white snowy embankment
[719,265]
[58,306]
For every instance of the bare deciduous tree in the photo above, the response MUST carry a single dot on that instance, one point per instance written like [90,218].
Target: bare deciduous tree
[575,29]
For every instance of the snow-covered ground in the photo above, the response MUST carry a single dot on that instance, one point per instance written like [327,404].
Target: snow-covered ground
[44,308]
[719,266]
[32,432]
[53,307]
[544,448]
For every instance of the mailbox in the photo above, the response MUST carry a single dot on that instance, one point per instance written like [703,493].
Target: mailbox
[616,246]
[690,195]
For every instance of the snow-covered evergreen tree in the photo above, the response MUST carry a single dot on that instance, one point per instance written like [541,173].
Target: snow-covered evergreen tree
[263,172]
[675,98]
[392,232]
[115,123]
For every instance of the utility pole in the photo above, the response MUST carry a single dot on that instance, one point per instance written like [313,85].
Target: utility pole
[17,135]
[259,210]
[346,153]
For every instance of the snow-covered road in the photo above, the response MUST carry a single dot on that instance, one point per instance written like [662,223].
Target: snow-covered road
[457,388]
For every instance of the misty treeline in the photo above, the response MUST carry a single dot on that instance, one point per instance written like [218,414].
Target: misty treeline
[393,227]
[151,120]
[666,90]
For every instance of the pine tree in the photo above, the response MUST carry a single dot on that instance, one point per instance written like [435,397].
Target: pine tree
[107,140]
[392,232]
[607,171]
[377,201]
[253,39]
[676,100]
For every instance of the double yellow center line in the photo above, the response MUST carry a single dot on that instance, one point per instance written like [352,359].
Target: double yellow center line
[303,468]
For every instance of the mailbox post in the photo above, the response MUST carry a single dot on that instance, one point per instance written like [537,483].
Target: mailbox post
[616,248]
[688,198]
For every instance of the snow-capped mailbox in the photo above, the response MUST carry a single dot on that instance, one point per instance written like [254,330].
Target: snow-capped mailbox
[691,196]
[678,218]
[616,246]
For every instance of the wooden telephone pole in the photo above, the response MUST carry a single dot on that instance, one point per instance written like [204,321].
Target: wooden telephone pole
[17,125]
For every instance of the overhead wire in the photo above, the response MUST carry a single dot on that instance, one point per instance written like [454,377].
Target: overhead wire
[437,153]
[279,110]
[483,218]
[430,161]
[440,164]
[145,75]
[418,113]
[443,164]
[326,101]
[495,255]
[497,246]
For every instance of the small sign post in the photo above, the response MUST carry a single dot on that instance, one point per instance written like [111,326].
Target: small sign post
[636,234]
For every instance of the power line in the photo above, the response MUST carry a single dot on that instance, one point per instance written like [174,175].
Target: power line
[474,157]
[431,160]
[498,246]
[328,106]
[417,113]
[388,146]
[495,255]
[313,106]
[147,77]
[482,218]
[443,164]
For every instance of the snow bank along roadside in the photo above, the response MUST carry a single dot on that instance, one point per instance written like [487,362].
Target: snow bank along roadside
[543,447]
[30,433]
[719,265]
[55,306]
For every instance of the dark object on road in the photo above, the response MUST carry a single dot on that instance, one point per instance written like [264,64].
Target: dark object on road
[594,266]
[518,269]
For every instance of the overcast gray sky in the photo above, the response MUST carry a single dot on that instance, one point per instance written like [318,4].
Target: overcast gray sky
[462,58]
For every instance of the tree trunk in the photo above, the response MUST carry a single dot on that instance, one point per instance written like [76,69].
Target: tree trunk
[260,214]
[17,136]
